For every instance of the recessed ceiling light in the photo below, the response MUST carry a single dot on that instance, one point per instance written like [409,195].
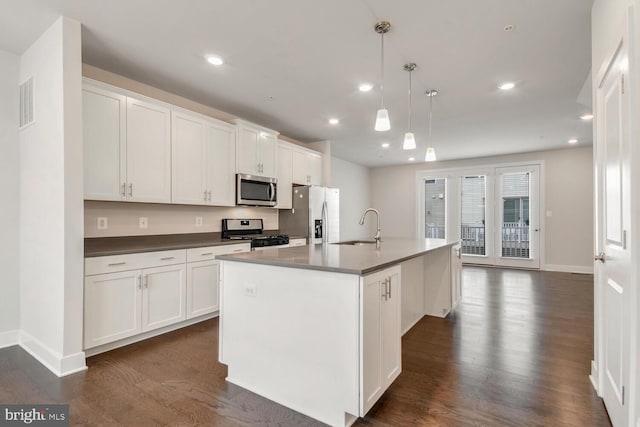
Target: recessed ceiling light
[214,60]
[587,117]
[385,145]
[365,87]
[509,28]
[411,159]
[334,121]
[573,141]
[507,86]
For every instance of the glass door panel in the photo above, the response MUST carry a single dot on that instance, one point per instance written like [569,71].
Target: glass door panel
[473,215]
[435,218]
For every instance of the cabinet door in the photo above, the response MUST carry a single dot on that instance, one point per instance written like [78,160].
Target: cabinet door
[203,279]
[268,155]
[248,150]
[456,275]
[314,167]
[284,177]
[148,152]
[391,330]
[300,173]
[188,160]
[380,346]
[221,143]
[163,296]
[104,140]
[111,307]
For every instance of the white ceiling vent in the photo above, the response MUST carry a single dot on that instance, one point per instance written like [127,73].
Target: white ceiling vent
[26,103]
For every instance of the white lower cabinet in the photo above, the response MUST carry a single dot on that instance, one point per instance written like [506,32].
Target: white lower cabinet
[163,296]
[456,275]
[203,282]
[380,347]
[112,304]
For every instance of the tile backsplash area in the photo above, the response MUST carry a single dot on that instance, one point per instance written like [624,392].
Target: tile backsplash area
[125,219]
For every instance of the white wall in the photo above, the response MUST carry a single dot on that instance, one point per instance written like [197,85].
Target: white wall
[569,195]
[355,196]
[9,211]
[51,213]
[123,218]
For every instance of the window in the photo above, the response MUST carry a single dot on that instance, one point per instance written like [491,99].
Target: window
[472,214]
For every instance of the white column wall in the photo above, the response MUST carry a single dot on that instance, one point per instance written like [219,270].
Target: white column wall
[353,180]
[51,211]
[9,212]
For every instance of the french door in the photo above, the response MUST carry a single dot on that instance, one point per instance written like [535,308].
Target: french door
[500,216]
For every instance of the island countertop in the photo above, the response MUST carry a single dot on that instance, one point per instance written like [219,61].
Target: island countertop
[361,260]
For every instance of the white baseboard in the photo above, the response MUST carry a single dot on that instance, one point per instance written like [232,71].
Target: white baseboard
[568,268]
[594,377]
[52,360]
[9,338]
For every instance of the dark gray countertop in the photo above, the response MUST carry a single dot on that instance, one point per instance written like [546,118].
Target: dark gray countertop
[344,258]
[103,246]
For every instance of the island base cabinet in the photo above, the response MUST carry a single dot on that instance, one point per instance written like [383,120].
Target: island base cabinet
[202,288]
[380,345]
[456,275]
[112,307]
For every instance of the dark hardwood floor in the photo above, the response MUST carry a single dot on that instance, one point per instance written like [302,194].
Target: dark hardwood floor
[516,352]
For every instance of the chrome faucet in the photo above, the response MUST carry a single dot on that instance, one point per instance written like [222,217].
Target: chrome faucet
[377,237]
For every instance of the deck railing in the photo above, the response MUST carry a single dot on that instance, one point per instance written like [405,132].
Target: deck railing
[515,240]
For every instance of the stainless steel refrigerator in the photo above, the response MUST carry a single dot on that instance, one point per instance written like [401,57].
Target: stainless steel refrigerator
[315,214]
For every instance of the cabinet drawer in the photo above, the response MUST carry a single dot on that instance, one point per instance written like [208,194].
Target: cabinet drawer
[113,263]
[297,242]
[210,252]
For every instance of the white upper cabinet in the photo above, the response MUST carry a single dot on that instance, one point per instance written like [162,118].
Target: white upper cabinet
[257,149]
[284,176]
[307,166]
[203,160]
[221,146]
[127,146]
[188,160]
[104,133]
[148,152]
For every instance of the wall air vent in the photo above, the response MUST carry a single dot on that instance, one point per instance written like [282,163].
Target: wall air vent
[26,103]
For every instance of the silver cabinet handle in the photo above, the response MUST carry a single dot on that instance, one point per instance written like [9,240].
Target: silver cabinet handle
[123,191]
[113,264]
[130,190]
[389,286]
[146,281]
[167,258]
[209,195]
[600,257]
[205,195]
[238,250]
[207,254]
[139,280]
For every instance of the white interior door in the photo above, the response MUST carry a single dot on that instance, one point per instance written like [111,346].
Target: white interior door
[517,217]
[613,210]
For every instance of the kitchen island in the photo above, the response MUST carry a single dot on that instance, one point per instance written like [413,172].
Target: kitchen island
[318,328]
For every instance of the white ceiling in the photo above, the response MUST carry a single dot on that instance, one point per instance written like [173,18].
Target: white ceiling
[292,64]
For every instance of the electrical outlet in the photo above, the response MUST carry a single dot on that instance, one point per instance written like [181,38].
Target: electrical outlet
[199,221]
[143,222]
[102,223]
[251,290]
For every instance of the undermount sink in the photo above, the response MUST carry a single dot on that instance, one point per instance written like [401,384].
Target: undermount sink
[356,242]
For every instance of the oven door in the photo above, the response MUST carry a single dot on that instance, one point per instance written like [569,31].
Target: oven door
[256,190]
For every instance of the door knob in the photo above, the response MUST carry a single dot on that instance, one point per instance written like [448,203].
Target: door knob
[600,257]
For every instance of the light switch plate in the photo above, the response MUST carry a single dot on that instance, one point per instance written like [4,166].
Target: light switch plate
[549,213]
[143,222]
[251,290]
[199,221]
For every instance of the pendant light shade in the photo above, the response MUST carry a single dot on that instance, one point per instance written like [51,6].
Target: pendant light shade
[430,155]
[409,138]
[382,118]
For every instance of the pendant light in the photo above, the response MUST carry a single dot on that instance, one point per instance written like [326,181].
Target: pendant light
[382,118]
[409,138]
[430,156]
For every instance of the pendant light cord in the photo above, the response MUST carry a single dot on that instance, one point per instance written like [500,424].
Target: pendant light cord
[430,117]
[382,70]
[409,127]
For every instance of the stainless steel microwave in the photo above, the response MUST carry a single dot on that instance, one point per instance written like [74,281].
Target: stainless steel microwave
[255,190]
